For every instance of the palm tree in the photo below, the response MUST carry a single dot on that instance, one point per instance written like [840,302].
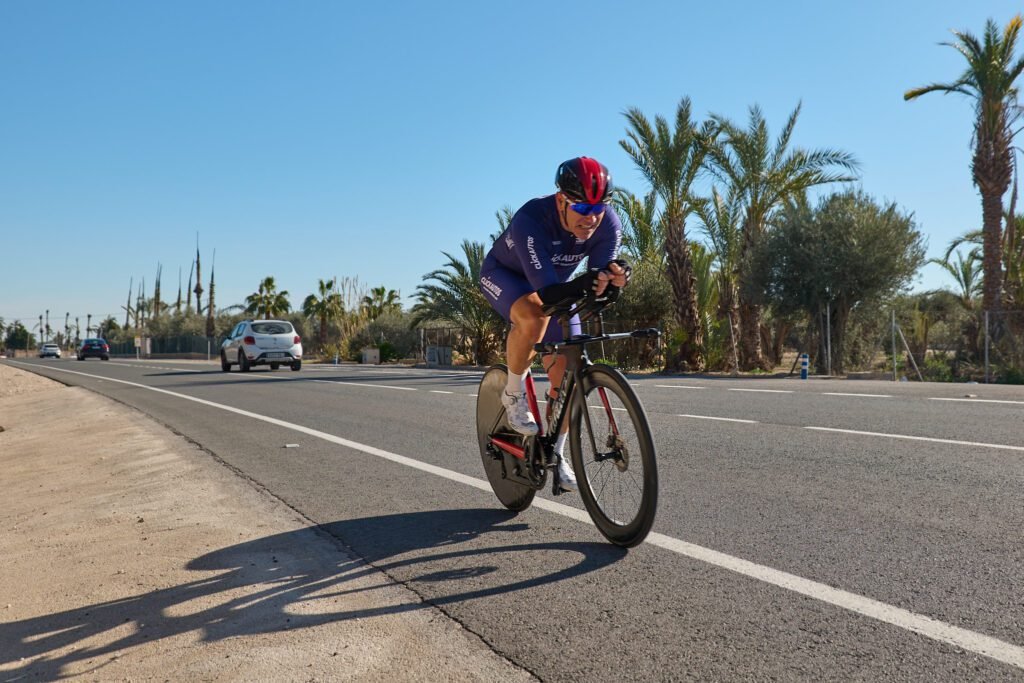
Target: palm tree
[326,308]
[455,297]
[989,80]
[266,301]
[765,176]
[721,219]
[966,273]
[643,236]
[670,161]
[378,302]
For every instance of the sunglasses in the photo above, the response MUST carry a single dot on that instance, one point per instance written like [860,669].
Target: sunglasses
[585,209]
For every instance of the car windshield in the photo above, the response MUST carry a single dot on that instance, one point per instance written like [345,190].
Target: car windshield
[272,328]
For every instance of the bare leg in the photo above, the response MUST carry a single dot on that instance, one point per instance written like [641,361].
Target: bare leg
[528,326]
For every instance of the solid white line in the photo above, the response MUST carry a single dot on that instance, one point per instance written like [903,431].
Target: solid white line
[766,391]
[976,400]
[920,438]
[1002,651]
[677,386]
[436,391]
[723,419]
[836,393]
[994,648]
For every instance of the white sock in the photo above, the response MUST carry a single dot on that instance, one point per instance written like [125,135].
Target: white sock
[560,444]
[516,383]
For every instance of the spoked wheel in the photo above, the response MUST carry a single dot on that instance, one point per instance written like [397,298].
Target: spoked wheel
[613,456]
[490,419]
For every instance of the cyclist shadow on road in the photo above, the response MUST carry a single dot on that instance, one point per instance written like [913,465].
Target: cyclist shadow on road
[306,578]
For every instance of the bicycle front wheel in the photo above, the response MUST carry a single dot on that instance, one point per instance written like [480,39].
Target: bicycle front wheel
[613,456]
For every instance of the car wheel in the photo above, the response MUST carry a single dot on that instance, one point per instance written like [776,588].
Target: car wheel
[224,364]
[275,366]
[243,362]
[106,357]
[296,365]
[80,358]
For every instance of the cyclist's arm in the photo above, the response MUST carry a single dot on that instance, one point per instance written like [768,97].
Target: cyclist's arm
[534,253]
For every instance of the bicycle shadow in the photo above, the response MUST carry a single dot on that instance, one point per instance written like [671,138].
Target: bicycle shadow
[297,580]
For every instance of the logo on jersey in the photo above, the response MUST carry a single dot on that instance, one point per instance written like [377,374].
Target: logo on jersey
[492,289]
[567,259]
[533,254]
[509,242]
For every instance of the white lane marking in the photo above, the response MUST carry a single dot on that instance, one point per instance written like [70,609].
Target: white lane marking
[678,386]
[988,646]
[999,650]
[436,391]
[723,419]
[766,391]
[358,384]
[836,393]
[920,438]
[151,367]
[976,400]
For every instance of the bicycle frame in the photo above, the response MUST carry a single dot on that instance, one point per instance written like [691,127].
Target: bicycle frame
[577,361]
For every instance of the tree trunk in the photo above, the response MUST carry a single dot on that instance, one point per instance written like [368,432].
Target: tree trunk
[728,309]
[751,354]
[992,252]
[690,357]
[992,168]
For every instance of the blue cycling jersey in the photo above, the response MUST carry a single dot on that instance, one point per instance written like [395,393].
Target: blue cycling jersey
[536,245]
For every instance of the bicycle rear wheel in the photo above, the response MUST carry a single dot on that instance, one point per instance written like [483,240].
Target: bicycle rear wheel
[613,456]
[490,419]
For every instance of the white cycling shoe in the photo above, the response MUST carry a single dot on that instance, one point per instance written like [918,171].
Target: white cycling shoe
[566,477]
[518,414]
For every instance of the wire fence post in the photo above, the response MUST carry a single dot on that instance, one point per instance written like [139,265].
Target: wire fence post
[987,342]
[828,338]
[895,378]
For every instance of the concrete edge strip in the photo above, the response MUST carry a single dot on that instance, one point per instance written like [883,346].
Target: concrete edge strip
[1002,651]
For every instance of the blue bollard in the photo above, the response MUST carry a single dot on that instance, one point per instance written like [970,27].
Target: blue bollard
[804,362]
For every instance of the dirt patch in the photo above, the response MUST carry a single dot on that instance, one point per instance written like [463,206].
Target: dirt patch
[129,554]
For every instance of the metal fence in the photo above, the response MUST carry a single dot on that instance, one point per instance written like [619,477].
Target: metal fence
[184,346]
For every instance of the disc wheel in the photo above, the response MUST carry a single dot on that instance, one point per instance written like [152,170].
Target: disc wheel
[490,419]
[613,456]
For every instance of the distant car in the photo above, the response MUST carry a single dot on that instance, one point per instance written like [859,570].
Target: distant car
[261,342]
[94,348]
[49,351]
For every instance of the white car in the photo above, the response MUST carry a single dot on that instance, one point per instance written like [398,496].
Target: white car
[261,342]
[49,350]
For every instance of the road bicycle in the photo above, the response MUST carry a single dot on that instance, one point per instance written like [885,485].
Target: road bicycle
[609,439]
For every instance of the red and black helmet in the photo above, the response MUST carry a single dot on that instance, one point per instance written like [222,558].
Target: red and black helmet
[584,180]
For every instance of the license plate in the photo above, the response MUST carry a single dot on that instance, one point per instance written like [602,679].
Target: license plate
[275,355]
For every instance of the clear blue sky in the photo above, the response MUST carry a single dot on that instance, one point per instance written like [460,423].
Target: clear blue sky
[318,139]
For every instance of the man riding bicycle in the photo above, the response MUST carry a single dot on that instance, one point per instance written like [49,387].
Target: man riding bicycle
[529,266]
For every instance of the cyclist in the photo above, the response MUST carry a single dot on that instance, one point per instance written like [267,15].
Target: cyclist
[530,265]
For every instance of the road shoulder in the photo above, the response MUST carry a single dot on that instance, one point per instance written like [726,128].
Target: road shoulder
[130,553]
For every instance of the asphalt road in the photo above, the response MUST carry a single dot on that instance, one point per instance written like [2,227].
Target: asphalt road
[806,529]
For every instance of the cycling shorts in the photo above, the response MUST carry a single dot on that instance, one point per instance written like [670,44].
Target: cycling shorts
[503,287]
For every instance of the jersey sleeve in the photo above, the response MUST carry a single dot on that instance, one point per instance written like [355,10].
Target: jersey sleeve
[533,251]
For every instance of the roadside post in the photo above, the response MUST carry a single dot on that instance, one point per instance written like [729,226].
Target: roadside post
[804,363]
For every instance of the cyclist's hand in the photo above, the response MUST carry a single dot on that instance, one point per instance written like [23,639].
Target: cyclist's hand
[618,275]
[601,281]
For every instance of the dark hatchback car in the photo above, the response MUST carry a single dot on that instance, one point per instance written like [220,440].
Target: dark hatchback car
[94,348]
